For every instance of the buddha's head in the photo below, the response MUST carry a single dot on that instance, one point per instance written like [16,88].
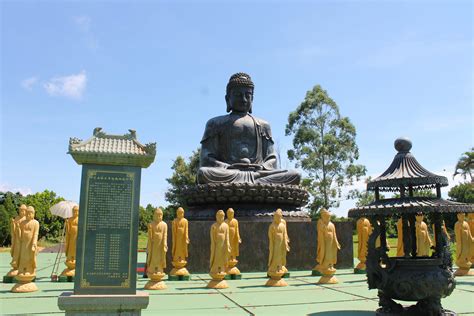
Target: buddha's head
[239,93]
[22,210]
[230,213]
[419,217]
[325,215]
[277,216]
[75,211]
[461,216]
[180,212]
[30,212]
[158,215]
[220,216]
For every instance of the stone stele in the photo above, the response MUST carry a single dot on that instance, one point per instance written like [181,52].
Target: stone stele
[106,260]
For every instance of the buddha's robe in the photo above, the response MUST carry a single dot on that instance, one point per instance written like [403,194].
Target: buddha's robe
[364,229]
[28,245]
[234,236]
[400,248]
[423,240]
[470,218]
[15,232]
[71,239]
[180,239]
[464,243]
[220,248]
[237,138]
[279,245]
[328,244]
[157,247]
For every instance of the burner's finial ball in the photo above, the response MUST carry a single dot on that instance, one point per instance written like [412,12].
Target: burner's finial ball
[402,144]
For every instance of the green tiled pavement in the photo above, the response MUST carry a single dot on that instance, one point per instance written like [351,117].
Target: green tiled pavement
[247,296]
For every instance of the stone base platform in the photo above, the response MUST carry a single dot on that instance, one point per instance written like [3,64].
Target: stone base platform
[247,212]
[103,305]
[253,202]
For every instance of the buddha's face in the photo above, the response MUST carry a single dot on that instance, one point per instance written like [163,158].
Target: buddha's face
[30,213]
[158,215]
[419,217]
[180,213]
[220,216]
[240,99]
[461,216]
[230,213]
[326,216]
[75,211]
[22,211]
[277,216]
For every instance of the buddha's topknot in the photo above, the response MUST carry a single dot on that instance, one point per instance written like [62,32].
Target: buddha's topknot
[239,79]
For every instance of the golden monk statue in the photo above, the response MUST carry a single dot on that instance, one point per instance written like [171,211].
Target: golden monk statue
[180,238]
[364,229]
[157,247]
[464,244]
[234,238]
[400,247]
[71,239]
[327,249]
[220,252]
[470,218]
[423,240]
[27,260]
[15,233]
[279,245]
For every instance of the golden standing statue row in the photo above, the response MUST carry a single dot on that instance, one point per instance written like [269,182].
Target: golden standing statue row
[464,233]
[24,238]
[225,240]
[24,235]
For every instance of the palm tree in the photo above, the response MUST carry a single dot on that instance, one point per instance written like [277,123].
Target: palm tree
[465,165]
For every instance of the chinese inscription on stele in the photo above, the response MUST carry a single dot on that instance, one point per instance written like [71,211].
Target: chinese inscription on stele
[107,245]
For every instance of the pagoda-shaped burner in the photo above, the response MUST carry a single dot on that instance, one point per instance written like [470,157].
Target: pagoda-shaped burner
[405,172]
[425,279]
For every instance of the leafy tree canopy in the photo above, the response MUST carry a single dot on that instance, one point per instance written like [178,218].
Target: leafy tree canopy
[324,147]
[463,193]
[50,225]
[184,174]
[465,165]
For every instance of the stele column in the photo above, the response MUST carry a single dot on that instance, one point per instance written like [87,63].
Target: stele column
[106,253]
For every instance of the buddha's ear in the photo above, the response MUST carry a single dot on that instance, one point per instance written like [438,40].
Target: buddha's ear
[229,108]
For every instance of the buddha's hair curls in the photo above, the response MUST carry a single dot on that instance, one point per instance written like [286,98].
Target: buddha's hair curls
[239,79]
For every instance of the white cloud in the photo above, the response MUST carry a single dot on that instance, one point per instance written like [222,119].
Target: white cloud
[72,86]
[5,187]
[83,22]
[29,83]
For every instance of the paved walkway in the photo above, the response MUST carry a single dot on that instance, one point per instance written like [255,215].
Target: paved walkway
[243,297]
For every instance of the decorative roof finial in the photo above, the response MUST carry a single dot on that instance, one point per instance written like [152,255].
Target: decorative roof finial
[133,133]
[402,144]
[97,131]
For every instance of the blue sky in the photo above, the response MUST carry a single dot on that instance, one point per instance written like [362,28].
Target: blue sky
[395,68]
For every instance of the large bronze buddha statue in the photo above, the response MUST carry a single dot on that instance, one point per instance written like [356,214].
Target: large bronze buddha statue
[238,147]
